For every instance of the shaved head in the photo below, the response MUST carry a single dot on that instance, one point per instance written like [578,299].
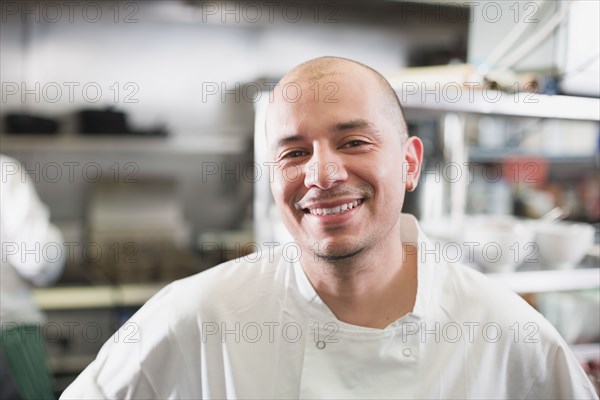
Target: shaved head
[323,67]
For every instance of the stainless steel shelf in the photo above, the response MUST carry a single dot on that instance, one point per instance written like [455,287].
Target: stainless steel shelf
[201,144]
[82,297]
[502,103]
[550,280]
[476,154]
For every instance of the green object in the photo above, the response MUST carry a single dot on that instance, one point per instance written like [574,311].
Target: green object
[25,352]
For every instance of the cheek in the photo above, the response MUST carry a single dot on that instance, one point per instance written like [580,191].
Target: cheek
[389,180]
[282,189]
[277,189]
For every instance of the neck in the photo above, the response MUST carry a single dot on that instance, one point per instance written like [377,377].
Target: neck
[372,288]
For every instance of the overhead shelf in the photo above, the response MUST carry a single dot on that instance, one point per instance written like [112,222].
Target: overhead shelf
[181,145]
[465,100]
[550,280]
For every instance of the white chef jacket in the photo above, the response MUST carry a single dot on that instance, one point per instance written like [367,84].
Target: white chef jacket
[32,248]
[256,328]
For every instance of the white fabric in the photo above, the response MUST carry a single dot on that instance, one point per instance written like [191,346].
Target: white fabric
[198,338]
[32,248]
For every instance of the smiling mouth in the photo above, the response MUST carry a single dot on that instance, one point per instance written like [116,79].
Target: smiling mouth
[342,208]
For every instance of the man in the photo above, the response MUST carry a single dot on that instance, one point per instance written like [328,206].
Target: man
[25,229]
[362,308]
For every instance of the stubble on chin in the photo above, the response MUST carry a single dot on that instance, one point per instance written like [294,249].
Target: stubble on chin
[336,257]
[340,265]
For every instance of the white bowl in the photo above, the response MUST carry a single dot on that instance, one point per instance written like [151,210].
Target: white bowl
[498,243]
[563,244]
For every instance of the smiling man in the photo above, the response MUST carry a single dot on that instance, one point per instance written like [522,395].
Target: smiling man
[351,158]
[366,308]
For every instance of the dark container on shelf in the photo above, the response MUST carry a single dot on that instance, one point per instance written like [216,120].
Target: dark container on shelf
[24,123]
[107,121]
[111,122]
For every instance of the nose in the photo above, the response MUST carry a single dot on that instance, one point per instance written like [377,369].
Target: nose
[325,169]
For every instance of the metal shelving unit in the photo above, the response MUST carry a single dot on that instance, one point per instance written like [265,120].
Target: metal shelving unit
[503,103]
[452,107]
[85,297]
[199,144]
[479,155]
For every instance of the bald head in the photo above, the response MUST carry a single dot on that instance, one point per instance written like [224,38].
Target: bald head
[322,68]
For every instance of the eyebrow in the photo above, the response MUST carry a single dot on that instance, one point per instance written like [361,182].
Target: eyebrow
[351,125]
[284,141]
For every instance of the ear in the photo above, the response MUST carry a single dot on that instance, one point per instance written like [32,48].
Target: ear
[413,159]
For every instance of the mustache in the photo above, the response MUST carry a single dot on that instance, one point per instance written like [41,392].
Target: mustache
[316,195]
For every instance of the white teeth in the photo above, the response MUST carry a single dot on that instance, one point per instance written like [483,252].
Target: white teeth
[334,210]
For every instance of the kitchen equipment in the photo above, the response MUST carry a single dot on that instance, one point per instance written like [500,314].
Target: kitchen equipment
[110,121]
[22,123]
[499,243]
[103,121]
[556,214]
[563,244]
[574,314]
[137,232]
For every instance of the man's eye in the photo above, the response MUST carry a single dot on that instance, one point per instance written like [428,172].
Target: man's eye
[294,154]
[354,143]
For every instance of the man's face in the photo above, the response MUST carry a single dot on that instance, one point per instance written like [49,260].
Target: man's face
[341,164]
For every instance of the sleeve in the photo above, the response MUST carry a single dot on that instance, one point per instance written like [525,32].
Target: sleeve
[32,245]
[142,360]
[561,377]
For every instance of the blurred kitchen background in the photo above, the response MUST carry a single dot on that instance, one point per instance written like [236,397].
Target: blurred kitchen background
[140,125]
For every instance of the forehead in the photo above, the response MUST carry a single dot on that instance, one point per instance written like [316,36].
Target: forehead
[300,104]
[317,86]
